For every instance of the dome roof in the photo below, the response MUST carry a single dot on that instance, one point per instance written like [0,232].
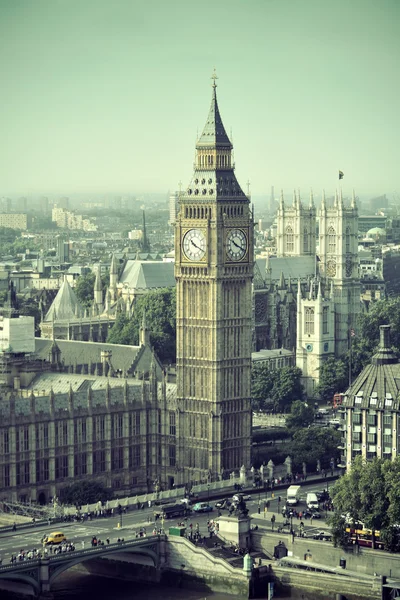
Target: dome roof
[376,231]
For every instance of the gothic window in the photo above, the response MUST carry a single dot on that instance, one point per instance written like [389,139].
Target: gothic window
[172,423]
[289,240]
[347,240]
[172,456]
[309,320]
[325,312]
[331,241]
[305,240]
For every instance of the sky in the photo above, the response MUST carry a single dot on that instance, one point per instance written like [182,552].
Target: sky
[109,96]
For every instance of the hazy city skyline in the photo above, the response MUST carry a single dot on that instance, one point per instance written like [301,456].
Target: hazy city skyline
[103,97]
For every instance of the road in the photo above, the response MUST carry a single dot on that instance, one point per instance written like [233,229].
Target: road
[132,521]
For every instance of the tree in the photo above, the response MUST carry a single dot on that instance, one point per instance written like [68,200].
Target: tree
[301,415]
[86,492]
[84,289]
[279,387]
[312,444]
[333,377]
[262,382]
[287,388]
[160,309]
[366,494]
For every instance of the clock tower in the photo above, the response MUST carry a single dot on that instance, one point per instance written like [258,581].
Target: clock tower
[214,271]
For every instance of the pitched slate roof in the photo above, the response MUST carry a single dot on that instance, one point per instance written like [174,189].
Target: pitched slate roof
[65,306]
[77,352]
[295,267]
[214,134]
[148,274]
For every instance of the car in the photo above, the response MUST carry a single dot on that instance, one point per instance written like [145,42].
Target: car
[314,514]
[57,537]
[322,535]
[202,507]
[247,497]
[225,503]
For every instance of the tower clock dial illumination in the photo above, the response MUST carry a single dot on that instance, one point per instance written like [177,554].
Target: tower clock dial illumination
[236,244]
[194,244]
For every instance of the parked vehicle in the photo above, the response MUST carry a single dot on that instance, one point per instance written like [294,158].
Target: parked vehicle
[202,507]
[293,495]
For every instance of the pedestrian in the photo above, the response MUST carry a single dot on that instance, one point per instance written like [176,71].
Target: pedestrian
[273,521]
[83,544]
[108,541]
[14,527]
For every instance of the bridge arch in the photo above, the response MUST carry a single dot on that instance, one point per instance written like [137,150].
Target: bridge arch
[30,579]
[76,558]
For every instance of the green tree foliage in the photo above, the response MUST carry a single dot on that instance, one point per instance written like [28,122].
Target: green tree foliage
[160,309]
[301,415]
[275,389]
[334,377]
[84,289]
[262,382]
[368,493]
[312,444]
[86,492]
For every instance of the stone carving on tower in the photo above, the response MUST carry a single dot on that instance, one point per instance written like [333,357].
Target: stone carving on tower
[214,271]
[296,228]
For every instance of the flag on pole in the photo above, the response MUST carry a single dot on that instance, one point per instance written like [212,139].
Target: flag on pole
[352,333]
[341,174]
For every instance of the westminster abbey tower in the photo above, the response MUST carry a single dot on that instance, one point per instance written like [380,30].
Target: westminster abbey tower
[214,270]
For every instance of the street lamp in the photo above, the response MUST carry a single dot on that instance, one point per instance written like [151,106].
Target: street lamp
[208,493]
[120,515]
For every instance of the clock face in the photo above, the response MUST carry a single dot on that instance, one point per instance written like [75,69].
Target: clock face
[236,244]
[331,268]
[194,244]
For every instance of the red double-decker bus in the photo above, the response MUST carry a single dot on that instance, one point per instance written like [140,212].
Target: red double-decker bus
[337,400]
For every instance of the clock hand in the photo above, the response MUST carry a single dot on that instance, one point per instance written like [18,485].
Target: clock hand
[237,245]
[195,245]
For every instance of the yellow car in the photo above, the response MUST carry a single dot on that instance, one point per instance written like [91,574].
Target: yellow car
[54,538]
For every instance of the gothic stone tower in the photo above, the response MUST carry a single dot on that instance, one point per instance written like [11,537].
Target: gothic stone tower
[214,271]
[315,332]
[338,252]
[296,228]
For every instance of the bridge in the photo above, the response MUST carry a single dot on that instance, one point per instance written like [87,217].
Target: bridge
[40,573]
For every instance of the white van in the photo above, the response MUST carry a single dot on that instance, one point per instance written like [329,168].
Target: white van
[293,495]
[312,501]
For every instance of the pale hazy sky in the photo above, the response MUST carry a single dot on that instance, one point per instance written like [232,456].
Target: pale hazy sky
[108,96]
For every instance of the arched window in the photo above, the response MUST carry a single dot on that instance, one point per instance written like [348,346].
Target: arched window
[289,240]
[305,240]
[331,241]
[309,320]
[347,240]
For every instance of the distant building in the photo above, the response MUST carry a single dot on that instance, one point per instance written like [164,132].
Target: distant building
[14,220]
[367,222]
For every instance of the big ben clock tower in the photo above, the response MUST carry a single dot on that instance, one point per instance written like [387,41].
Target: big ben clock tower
[214,271]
